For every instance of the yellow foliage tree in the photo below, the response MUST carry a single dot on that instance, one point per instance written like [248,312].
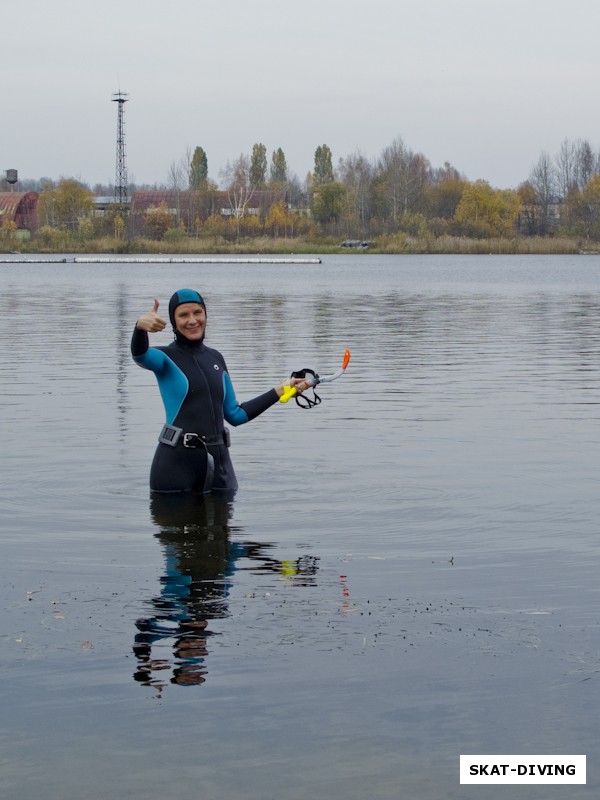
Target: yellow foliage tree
[277,219]
[215,225]
[159,219]
[8,232]
[484,211]
[86,228]
[250,225]
[66,205]
[119,226]
[444,197]
[588,209]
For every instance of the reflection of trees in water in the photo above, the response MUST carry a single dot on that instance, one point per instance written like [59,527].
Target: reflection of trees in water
[171,644]
[123,358]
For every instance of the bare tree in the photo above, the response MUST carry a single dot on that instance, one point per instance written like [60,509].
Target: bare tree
[176,176]
[404,175]
[566,168]
[543,181]
[356,173]
[576,165]
[176,181]
[586,163]
[238,185]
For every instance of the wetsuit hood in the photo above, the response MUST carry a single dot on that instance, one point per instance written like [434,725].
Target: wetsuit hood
[184,296]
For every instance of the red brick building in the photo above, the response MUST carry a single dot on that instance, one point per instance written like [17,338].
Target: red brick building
[20,208]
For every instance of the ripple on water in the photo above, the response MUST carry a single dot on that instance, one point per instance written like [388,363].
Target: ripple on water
[70,503]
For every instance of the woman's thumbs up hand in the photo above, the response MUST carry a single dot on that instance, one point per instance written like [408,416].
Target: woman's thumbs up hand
[150,321]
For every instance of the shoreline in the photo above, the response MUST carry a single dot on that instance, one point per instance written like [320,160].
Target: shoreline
[261,247]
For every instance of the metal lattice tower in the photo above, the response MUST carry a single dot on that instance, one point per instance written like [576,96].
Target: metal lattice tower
[121,173]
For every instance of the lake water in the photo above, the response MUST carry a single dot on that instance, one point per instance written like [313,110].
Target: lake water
[409,571]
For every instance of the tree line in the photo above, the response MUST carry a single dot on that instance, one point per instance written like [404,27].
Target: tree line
[358,197]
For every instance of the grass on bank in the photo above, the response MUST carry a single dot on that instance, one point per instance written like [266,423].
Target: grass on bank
[399,243]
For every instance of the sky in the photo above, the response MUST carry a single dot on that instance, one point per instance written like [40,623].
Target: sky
[483,84]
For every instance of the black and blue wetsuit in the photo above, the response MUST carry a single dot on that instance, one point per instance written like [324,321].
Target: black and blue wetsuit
[198,398]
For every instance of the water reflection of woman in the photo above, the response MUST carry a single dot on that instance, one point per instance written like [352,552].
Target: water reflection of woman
[194,538]
[200,559]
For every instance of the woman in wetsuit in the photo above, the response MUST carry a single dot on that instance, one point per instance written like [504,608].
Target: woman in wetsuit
[198,396]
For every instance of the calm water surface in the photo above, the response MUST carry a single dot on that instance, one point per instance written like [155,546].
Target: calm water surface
[408,572]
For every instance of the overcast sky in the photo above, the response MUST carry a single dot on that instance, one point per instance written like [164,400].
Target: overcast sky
[484,84]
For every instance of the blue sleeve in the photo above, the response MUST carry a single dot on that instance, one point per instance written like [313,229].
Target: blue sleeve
[232,411]
[172,382]
[236,413]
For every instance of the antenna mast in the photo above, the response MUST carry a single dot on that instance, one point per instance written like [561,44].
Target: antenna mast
[121,173]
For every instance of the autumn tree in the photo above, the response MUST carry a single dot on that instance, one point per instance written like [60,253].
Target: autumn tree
[585,214]
[323,171]
[484,211]
[118,225]
[159,219]
[444,196]
[258,166]
[328,203]
[277,219]
[65,205]
[215,225]
[250,225]
[198,178]
[8,232]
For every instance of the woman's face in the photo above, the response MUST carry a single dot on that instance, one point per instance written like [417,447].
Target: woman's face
[190,320]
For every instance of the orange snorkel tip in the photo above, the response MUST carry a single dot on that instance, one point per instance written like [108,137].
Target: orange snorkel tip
[346,359]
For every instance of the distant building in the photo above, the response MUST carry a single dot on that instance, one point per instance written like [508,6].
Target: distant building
[188,206]
[20,208]
[104,204]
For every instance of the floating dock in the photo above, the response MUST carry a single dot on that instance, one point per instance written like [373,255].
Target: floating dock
[160,260]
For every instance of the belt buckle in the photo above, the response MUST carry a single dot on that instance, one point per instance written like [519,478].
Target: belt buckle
[188,438]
